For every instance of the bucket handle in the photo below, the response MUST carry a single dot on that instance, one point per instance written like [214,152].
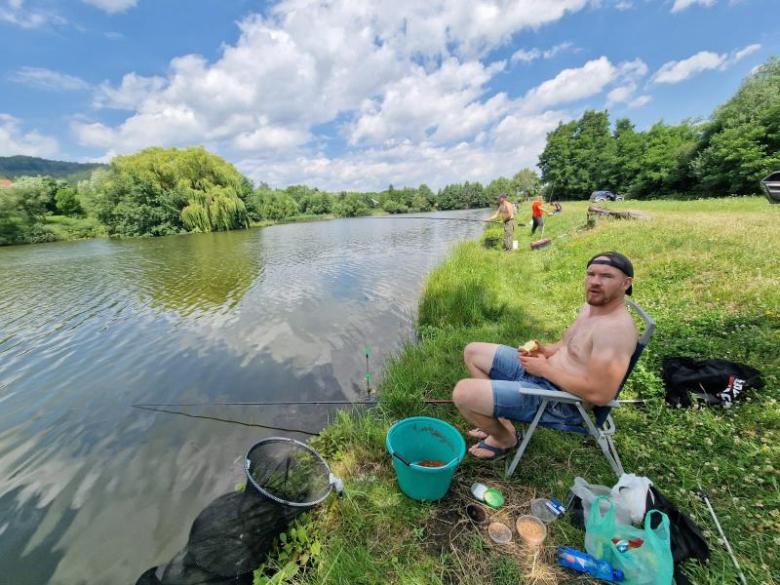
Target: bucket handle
[401,459]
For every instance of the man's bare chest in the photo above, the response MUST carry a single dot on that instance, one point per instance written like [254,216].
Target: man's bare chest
[578,341]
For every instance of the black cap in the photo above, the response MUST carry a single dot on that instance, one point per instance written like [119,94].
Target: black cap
[616,260]
[502,196]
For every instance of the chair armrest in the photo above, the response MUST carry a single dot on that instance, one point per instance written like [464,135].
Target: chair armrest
[561,396]
[557,395]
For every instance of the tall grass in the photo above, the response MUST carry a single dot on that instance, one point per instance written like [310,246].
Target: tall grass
[707,273]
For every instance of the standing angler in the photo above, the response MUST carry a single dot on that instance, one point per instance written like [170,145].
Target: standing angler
[508,217]
[537,215]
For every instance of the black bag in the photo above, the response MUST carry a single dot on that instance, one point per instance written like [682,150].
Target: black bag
[717,382]
[687,541]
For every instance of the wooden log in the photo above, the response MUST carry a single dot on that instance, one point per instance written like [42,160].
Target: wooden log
[627,214]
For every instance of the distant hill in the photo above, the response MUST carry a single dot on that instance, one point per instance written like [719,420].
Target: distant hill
[12,167]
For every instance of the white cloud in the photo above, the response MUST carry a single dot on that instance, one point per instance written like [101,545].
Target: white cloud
[130,94]
[112,6]
[629,74]
[677,71]
[443,104]
[526,56]
[14,141]
[680,5]
[42,78]
[571,85]
[14,12]
[640,101]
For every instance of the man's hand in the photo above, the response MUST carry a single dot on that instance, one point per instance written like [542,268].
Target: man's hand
[536,365]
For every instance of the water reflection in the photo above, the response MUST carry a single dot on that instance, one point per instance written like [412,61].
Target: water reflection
[94,491]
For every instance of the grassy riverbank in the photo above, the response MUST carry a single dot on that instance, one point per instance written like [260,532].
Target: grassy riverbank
[705,270]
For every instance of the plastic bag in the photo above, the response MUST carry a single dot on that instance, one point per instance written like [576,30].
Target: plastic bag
[648,564]
[631,490]
[588,493]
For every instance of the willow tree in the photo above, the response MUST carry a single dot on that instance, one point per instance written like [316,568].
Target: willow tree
[159,191]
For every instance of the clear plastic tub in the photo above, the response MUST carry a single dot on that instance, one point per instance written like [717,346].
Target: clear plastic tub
[500,533]
[540,510]
[531,530]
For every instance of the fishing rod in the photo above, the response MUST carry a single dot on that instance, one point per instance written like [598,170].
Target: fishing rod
[291,403]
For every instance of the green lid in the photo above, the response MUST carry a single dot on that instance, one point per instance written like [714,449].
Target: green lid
[493,498]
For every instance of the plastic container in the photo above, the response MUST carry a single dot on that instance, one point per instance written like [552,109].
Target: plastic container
[540,510]
[422,438]
[500,533]
[491,496]
[531,530]
[476,514]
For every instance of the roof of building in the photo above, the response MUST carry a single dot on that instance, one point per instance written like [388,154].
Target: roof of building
[6,182]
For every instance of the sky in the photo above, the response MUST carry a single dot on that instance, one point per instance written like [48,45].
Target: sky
[359,94]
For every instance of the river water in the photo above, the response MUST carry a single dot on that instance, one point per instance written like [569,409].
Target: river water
[94,490]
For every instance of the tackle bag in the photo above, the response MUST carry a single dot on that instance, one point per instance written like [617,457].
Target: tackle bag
[716,382]
[649,562]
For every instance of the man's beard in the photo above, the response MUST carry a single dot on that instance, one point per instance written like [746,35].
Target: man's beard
[597,299]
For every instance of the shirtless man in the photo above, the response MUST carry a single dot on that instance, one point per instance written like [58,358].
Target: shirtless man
[590,361]
[506,211]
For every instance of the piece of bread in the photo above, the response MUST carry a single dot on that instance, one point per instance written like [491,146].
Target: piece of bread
[531,347]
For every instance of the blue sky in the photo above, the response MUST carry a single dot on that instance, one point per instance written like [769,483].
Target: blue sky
[356,94]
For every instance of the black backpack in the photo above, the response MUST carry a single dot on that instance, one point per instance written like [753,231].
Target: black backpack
[716,382]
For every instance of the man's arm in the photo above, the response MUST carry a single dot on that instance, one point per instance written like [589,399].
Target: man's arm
[492,217]
[607,366]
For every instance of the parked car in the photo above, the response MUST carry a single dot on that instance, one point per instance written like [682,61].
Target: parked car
[605,196]
[771,185]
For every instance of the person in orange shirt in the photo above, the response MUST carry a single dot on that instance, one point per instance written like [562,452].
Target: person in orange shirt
[537,214]
[507,214]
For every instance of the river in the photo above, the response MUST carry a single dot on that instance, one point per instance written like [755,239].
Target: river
[94,490]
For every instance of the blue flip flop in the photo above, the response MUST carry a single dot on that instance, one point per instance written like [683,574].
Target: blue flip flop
[498,452]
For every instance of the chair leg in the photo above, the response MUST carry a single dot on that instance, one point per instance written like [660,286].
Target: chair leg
[604,442]
[526,438]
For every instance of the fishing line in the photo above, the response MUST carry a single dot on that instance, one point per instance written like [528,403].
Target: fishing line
[235,422]
[401,216]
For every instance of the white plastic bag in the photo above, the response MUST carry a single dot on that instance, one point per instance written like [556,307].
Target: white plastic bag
[629,497]
[631,490]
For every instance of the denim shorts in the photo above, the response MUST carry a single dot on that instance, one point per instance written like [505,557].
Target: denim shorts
[508,377]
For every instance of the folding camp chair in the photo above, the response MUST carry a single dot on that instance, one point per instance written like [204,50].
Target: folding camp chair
[604,427]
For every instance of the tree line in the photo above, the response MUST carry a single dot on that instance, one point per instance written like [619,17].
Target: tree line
[728,154]
[159,191]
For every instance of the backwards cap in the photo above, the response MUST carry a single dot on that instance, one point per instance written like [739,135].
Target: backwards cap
[616,260]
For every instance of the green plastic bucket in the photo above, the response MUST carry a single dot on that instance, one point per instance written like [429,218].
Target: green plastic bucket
[422,438]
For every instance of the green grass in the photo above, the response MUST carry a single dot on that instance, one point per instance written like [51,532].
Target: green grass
[707,273]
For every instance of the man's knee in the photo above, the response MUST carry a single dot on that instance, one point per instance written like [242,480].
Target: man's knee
[469,353]
[461,394]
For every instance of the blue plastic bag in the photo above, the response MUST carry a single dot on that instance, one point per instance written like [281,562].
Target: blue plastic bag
[649,564]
